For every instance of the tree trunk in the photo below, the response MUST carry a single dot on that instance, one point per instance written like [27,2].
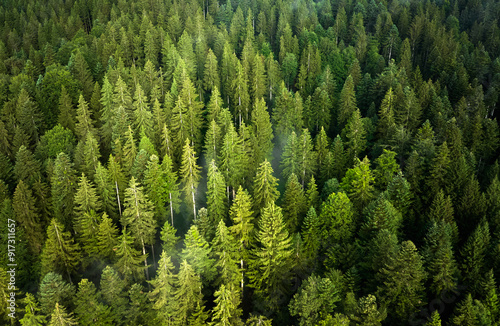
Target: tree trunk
[171,209]
[145,259]
[118,198]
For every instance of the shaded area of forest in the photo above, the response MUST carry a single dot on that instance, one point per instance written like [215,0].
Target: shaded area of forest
[251,162]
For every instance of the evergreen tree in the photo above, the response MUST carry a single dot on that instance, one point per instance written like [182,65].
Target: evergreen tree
[258,83]
[197,253]
[310,230]
[107,113]
[402,288]
[59,253]
[142,114]
[105,189]
[355,134]
[190,174]
[89,310]
[211,75]
[63,189]
[386,123]
[213,142]
[473,256]
[155,184]
[163,292]
[271,257]
[118,180]
[92,154]
[107,238]
[314,300]
[129,259]
[27,167]
[265,186]
[130,151]
[113,294]
[31,318]
[262,135]
[226,255]
[66,112]
[28,116]
[52,290]
[84,123]
[171,186]
[27,216]
[216,199]
[358,184]
[188,294]
[347,104]
[294,203]
[226,311]
[435,319]
[139,217]
[338,220]
[386,168]
[60,317]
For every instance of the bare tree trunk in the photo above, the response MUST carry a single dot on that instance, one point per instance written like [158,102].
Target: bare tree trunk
[171,209]
[118,198]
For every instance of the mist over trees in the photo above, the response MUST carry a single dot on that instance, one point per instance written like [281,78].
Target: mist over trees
[251,162]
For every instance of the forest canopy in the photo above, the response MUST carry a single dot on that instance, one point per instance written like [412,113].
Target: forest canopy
[250,162]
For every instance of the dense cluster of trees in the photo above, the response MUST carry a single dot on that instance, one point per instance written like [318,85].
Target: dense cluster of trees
[251,162]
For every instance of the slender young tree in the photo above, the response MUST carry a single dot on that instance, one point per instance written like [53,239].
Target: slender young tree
[27,216]
[163,291]
[190,174]
[66,111]
[139,217]
[226,310]
[188,294]
[143,119]
[118,180]
[216,197]
[129,259]
[60,317]
[63,189]
[84,122]
[197,253]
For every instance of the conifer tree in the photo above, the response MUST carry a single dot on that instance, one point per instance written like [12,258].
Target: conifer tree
[439,258]
[193,113]
[241,98]
[339,158]
[387,168]
[86,199]
[171,186]
[89,310]
[226,311]
[216,196]
[197,253]
[307,157]
[435,319]
[105,189]
[52,290]
[291,156]
[118,180]
[63,189]
[113,294]
[315,299]
[489,294]
[60,317]
[188,294]
[214,106]
[121,96]
[31,316]
[226,256]
[358,183]
[403,282]
[319,112]
[294,203]
[163,290]
[66,112]
[139,217]
[190,174]
[27,167]
[386,123]
[27,216]
[347,104]
[271,257]
[129,150]
[213,142]
[233,159]
[211,78]
[107,113]
[473,256]
[265,187]
[129,259]
[84,123]
[380,215]
[312,194]
[28,116]
[258,82]
[155,184]
[262,135]
[355,134]
[142,114]
[91,153]
[169,239]
[60,253]
[107,238]
[439,169]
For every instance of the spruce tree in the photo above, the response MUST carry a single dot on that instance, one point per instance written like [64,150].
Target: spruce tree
[84,123]
[190,174]
[89,310]
[262,135]
[216,197]
[226,311]
[117,179]
[225,252]
[474,254]
[143,122]
[107,238]
[435,319]
[107,113]
[59,253]
[358,183]
[265,187]
[31,316]
[347,104]
[138,216]
[355,134]
[163,290]
[197,253]
[402,288]
[129,259]
[28,217]
[211,78]
[66,111]
[188,294]
[233,159]
[294,203]
[171,186]
[113,294]
[105,189]
[60,317]
[213,142]
[271,257]
[63,189]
